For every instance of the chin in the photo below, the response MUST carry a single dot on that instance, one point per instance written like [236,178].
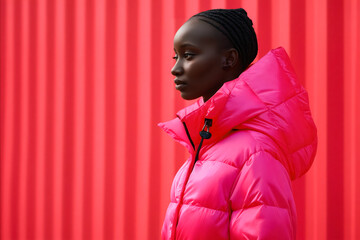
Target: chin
[188,96]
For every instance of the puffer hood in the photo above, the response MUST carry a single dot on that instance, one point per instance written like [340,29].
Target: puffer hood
[266,98]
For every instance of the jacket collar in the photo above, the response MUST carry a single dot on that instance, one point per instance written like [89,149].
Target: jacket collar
[227,108]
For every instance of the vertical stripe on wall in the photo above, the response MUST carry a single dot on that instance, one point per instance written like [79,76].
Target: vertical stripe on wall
[351,119]
[78,118]
[335,119]
[297,46]
[155,62]
[89,121]
[131,113]
[110,118]
[144,116]
[264,26]
[69,97]
[49,71]
[84,83]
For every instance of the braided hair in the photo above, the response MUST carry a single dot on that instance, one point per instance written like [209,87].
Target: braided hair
[237,27]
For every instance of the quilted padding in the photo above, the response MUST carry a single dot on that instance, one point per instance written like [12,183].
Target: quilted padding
[263,136]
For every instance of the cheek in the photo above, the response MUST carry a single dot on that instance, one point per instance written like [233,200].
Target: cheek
[204,75]
[203,68]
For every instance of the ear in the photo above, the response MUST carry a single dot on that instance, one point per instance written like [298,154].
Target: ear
[230,58]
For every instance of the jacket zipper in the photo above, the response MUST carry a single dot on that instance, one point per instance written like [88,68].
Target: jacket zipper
[188,134]
[204,135]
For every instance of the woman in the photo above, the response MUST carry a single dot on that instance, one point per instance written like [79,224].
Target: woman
[249,134]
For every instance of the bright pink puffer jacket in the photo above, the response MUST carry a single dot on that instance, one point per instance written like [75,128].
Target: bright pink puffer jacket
[262,137]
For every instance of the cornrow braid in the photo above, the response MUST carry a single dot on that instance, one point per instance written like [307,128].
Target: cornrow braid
[237,27]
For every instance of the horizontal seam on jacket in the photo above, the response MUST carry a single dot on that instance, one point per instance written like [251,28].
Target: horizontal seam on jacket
[233,165]
[260,204]
[286,100]
[219,210]
[298,149]
[241,210]
[203,160]
[302,91]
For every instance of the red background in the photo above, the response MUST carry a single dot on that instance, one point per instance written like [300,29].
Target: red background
[83,84]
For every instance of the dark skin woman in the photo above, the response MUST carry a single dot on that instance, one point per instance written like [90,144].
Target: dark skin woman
[205,60]
[249,134]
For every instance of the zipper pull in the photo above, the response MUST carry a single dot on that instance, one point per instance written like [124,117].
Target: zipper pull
[206,134]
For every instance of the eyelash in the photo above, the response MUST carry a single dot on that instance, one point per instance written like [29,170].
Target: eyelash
[185,54]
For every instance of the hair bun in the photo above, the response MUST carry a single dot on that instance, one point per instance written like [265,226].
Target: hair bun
[242,11]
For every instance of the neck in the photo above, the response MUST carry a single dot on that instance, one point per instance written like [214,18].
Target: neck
[227,78]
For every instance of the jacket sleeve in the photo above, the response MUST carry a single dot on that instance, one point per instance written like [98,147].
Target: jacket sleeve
[262,203]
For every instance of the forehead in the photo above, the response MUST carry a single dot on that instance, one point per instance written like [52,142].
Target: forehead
[198,33]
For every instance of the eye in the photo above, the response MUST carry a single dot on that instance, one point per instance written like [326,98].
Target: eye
[188,55]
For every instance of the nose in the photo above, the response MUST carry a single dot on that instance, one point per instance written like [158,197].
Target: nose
[177,69]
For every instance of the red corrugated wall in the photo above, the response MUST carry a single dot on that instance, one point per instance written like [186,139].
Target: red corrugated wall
[83,84]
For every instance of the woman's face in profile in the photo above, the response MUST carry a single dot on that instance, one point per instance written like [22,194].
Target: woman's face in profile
[198,52]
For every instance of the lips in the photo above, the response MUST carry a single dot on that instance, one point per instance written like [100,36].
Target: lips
[180,84]
[178,81]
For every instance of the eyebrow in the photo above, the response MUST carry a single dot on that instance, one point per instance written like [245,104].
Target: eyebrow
[187,45]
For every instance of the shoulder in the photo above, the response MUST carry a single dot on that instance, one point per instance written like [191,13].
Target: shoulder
[239,145]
